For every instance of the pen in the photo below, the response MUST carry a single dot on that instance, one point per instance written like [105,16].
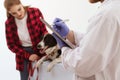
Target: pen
[66,20]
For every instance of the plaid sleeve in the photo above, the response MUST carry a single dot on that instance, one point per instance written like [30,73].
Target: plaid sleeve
[13,43]
[43,27]
[34,16]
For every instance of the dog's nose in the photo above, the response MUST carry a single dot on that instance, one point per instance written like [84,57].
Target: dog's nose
[39,46]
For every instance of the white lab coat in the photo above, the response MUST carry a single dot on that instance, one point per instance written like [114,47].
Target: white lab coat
[97,53]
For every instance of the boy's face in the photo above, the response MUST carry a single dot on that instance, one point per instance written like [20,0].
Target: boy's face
[94,1]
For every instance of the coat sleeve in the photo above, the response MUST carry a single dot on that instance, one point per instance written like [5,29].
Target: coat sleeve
[97,48]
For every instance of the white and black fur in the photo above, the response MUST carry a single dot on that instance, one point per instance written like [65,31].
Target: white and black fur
[49,46]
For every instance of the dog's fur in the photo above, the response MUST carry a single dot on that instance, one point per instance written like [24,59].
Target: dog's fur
[49,46]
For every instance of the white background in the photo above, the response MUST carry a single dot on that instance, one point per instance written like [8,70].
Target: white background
[77,11]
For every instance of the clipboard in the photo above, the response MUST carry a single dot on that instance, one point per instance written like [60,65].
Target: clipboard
[49,26]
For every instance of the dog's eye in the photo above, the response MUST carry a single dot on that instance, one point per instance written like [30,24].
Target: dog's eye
[38,46]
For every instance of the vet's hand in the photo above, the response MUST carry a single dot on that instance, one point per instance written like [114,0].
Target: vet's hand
[60,27]
[33,57]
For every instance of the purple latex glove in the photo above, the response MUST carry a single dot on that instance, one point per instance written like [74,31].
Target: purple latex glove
[59,41]
[60,27]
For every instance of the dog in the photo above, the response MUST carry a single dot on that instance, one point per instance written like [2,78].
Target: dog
[49,46]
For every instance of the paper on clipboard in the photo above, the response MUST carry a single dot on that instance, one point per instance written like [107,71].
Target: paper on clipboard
[49,26]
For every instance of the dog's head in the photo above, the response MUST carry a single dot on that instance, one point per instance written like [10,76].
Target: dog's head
[48,45]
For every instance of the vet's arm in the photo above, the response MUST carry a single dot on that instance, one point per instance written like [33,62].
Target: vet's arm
[70,37]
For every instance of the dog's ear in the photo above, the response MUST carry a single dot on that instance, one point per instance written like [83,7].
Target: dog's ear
[42,36]
[59,52]
[50,41]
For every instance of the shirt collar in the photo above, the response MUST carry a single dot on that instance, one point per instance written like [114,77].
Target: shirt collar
[104,3]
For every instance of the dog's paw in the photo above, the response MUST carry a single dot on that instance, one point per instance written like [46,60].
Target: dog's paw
[38,64]
[49,68]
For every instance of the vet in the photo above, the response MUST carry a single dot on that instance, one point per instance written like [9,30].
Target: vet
[97,53]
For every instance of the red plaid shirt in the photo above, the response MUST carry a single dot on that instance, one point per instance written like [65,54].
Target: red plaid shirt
[36,30]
